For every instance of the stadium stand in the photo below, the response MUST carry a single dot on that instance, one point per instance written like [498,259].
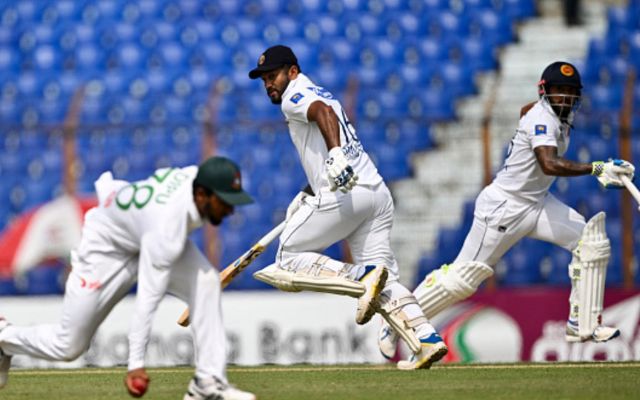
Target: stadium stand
[146,69]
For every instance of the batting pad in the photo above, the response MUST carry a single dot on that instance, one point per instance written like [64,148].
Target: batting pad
[298,281]
[391,311]
[449,284]
[592,253]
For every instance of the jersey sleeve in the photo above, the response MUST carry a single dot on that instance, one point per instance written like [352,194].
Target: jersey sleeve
[296,105]
[542,131]
[159,250]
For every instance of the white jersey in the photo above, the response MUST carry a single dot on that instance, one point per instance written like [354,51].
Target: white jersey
[308,139]
[151,219]
[521,175]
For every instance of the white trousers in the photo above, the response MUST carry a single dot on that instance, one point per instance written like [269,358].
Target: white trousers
[501,221]
[363,216]
[100,278]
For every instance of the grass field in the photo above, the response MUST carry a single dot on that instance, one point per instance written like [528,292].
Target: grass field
[513,381]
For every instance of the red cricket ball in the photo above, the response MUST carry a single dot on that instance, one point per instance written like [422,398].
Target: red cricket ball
[139,386]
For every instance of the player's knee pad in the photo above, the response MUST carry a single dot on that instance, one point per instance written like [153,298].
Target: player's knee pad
[315,278]
[392,312]
[449,284]
[589,270]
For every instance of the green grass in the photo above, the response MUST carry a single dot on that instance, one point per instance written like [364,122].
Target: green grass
[370,382]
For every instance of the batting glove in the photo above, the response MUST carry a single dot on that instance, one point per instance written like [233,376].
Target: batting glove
[339,173]
[608,173]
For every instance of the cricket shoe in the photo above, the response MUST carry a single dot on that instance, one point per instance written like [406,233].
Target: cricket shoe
[600,334]
[432,349]
[214,389]
[387,341]
[5,360]
[374,280]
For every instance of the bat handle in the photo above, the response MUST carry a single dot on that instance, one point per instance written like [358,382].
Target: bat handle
[184,318]
[631,188]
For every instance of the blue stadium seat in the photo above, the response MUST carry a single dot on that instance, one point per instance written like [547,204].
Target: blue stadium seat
[128,56]
[317,27]
[433,104]
[10,59]
[450,242]
[455,78]
[447,24]
[517,9]
[614,232]
[522,269]
[10,112]
[391,163]
[477,54]
[492,27]
[472,6]
[559,271]
[88,56]
[404,24]
[605,98]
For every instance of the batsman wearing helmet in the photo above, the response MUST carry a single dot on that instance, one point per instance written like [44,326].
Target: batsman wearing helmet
[139,232]
[349,201]
[518,204]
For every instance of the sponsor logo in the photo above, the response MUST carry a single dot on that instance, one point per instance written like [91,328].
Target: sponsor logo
[320,91]
[541,129]
[261,60]
[296,98]
[353,150]
[567,70]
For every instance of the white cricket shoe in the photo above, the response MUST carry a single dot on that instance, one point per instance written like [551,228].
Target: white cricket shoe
[432,350]
[213,389]
[600,334]
[374,280]
[387,341]
[5,360]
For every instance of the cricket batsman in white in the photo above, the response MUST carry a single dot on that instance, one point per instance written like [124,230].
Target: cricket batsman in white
[139,232]
[347,199]
[518,204]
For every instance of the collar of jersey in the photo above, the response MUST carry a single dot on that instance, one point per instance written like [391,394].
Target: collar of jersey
[293,84]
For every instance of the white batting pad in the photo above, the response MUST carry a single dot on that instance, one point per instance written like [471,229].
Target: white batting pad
[449,284]
[326,282]
[391,311]
[592,253]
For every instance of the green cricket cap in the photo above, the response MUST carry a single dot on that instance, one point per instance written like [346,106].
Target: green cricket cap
[222,176]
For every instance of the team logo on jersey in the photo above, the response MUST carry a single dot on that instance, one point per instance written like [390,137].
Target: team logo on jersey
[261,59]
[296,98]
[567,70]
[541,129]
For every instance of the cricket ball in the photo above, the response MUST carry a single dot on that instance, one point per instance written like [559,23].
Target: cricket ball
[140,385]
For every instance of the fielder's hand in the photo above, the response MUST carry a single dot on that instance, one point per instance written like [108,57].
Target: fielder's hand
[339,173]
[137,382]
[608,173]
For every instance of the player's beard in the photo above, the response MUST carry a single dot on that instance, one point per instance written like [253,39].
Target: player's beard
[277,99]
[213,219]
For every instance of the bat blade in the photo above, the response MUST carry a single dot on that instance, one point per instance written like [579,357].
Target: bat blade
[227,275]
[233,269]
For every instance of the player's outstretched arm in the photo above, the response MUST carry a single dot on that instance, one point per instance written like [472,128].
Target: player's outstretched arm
[608,173]
[552,164]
